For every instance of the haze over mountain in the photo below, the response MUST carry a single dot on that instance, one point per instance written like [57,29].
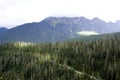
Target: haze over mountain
[16,12]
[53,29]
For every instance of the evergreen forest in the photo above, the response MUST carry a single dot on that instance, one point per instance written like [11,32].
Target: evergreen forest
[70,60]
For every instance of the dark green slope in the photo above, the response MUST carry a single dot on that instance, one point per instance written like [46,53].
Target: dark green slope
[97,37]
[77,60]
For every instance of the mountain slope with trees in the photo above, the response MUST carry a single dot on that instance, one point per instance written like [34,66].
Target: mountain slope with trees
[72,60]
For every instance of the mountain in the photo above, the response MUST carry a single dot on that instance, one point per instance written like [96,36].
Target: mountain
[37,32]
[53,29]
[3,30]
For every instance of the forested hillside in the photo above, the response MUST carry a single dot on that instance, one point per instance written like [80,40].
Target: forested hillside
[92,60]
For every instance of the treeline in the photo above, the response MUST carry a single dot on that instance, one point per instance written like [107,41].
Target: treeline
[72,60]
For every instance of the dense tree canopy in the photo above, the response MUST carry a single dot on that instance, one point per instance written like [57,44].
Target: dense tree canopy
[72,60]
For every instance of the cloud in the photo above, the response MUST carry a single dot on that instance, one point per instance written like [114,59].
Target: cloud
[16,12]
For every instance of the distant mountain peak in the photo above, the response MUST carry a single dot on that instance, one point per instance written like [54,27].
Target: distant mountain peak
[48,18]
[53,29]
[3,27]
[3,30]
[118,21]
[97,20]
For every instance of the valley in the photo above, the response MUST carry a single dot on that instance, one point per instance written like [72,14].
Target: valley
[61,49]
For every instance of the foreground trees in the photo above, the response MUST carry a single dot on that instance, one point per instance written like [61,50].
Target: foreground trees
[93,60]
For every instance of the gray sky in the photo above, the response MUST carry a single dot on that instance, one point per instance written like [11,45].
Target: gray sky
[17,12]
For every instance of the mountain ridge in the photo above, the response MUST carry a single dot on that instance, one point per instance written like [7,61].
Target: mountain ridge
[3,30]
[54,29]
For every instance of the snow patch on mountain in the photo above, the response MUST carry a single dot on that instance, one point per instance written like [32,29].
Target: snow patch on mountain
[87,33]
